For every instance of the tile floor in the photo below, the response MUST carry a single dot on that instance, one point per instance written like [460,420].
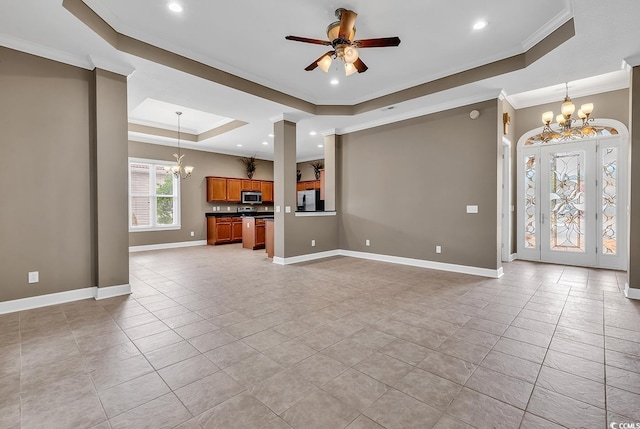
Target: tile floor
[218,337]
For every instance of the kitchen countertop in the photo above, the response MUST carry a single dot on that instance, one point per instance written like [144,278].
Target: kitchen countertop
[235,214]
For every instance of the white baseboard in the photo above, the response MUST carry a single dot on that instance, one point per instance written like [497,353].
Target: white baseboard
[463,269]
[630,292]
[167,246]
[63,297]
[304,258]
[484,272]
[111,291]
[513,257]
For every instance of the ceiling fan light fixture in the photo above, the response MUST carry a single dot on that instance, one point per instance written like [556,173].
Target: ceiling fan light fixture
[349,69]
[325,62]
[350,54]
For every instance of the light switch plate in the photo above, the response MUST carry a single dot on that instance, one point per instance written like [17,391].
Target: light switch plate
[472,209]
[277,209]
[287,209]
[34,276]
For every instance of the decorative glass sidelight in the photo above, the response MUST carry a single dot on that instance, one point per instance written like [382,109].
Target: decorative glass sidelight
[609,200]
[530,201]
[567,193]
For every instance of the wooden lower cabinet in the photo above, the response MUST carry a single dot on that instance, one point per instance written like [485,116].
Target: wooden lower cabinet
[224,230]
[269,244]
[253,233]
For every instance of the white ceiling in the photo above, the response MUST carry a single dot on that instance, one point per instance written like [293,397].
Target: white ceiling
[247,39]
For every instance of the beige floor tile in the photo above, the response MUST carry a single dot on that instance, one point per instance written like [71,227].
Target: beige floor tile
[253,370]
[230,354]
[482,411]
[364,422]
[241,411]
[575,387]
[126,396]
[511,365]
[519,349]
[448,422]
[405,351]
[171,354]
[195,329]
[396,410]
[565,411]
[348,352]
[384,368]
[355,389]
[107,376]
[211,340]
[575,365]
[531,421]
[623,403]
[428,388]
[208,392]
[282,390]
[289,353]
[463,350]
[265,340]
[163,412]
[372,338]
[187,371]
[320,410]
[320,369]
[145,330]
[456,370]
[502,387]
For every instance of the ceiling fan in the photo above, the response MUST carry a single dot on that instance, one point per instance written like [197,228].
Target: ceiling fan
[341,36]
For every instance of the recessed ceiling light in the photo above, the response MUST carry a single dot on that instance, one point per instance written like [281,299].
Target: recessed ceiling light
[320,145]
[270,135]
[334,81]
[175,7]
[239,145]
[265,143]
[312,133]
[479,25]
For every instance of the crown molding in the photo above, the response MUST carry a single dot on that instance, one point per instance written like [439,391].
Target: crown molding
[551,26]
[104,64]
[45,52]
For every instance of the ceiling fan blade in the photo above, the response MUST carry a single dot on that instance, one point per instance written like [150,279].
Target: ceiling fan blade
[307,40]
[360,66]
[347,21]
[314,64]
[377,43]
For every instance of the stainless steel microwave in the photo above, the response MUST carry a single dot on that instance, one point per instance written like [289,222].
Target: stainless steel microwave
[251,197]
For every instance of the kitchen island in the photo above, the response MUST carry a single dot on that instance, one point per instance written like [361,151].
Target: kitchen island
[254,231]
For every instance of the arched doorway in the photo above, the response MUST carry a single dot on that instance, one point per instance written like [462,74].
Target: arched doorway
[572,196]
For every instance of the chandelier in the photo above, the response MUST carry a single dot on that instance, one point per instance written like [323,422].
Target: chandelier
[566,131]
[178,170]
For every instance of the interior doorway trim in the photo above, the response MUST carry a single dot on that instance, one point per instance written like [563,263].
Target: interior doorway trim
[506,224]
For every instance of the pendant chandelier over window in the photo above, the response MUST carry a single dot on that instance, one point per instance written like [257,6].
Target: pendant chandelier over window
[179,171]
[565,122]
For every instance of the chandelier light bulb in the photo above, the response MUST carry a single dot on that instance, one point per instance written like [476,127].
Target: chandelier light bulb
[582,115]
[560,120]
[587,108]
[547,117]
[568,108]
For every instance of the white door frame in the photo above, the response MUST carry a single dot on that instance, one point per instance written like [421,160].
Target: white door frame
[620,260]
[506,200]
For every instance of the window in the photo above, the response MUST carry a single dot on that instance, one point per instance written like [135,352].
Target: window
[154,196]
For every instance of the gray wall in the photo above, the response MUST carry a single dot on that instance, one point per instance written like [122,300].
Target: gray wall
[405,187]
[307,170]
[49,148]
[193,190]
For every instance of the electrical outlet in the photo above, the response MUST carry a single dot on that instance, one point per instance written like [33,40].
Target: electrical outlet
[313,243]
[193,234]
[438,249]
[367,243]
[34,276]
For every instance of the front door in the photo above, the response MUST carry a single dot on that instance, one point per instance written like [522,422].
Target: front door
[572,202]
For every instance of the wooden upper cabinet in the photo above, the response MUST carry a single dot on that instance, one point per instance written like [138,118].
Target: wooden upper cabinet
[216,189]
[311,184]
[266,188]
[246,185]
[322,184]
[255,185]
[234,187]
[300,186]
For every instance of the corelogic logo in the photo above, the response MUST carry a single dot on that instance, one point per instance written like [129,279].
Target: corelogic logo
[614,425]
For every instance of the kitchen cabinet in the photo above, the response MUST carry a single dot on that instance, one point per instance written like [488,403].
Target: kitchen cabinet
[236,229]
[222,230]
[307,185]
[253,233]
[234,187]
[229,189]
[216,189]
[266,188]
[322,184]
